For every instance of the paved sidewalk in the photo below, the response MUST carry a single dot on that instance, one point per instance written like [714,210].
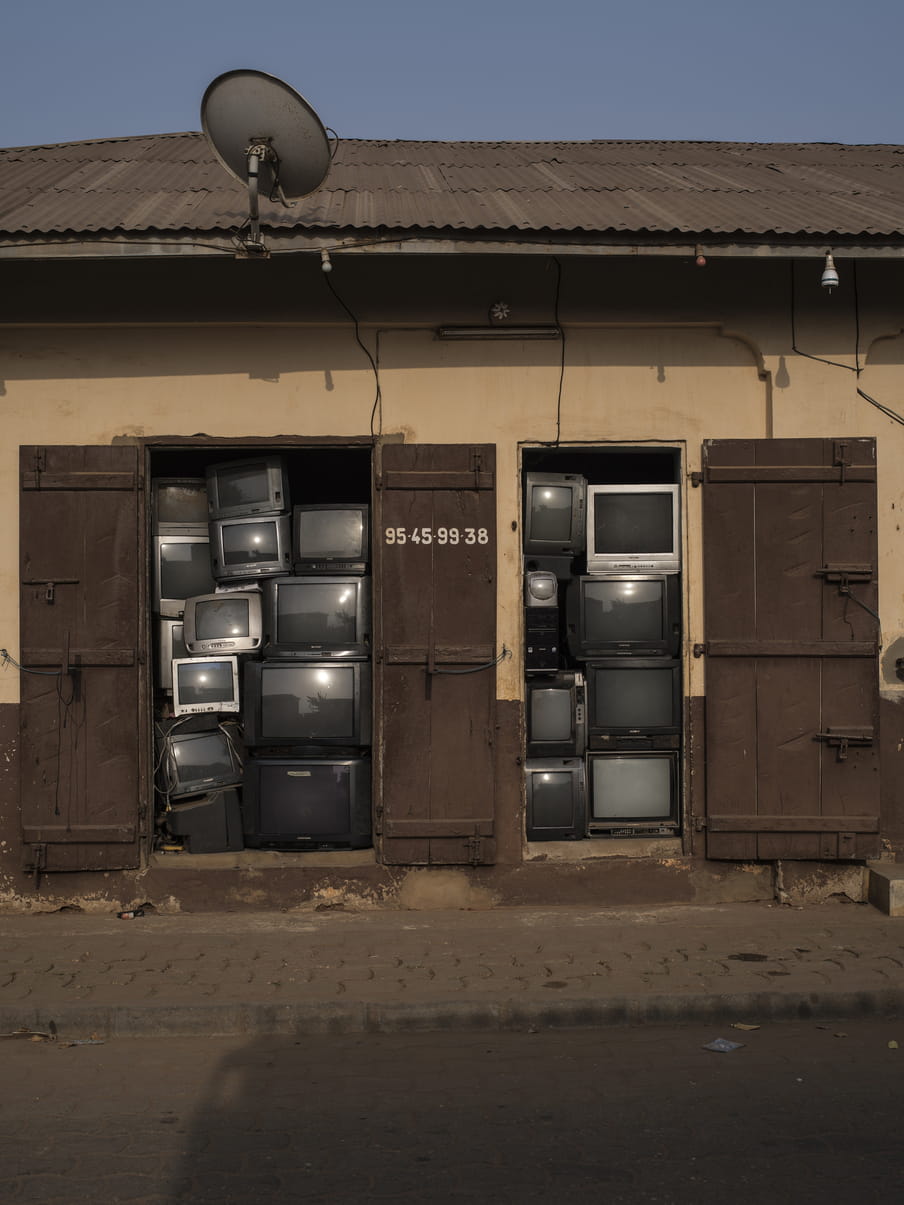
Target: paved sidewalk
[388,970]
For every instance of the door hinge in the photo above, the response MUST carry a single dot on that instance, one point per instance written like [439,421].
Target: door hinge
[842,738]
[699,824]
[696,479]
[699,650]
[475,850]
[841,456]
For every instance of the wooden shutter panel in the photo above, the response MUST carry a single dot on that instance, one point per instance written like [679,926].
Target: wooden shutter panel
[80,792]
[435,606]
[790,554]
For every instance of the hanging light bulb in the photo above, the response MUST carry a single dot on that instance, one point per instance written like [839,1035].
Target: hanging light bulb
[326,264]
[829,274]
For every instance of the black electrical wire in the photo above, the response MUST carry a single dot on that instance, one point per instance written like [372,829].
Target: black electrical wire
[378,396]
[806,354]
[476,669]
[561,349]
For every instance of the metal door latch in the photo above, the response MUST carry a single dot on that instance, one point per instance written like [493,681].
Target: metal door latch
[842,738]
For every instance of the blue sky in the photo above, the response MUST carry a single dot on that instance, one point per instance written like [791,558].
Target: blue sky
[776,70]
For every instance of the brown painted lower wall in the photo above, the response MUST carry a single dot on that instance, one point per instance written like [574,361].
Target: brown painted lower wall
[891,763]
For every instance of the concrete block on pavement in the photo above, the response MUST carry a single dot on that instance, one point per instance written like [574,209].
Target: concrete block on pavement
[886,888]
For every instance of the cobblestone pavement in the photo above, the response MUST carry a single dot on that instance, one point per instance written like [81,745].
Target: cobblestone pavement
[345,971]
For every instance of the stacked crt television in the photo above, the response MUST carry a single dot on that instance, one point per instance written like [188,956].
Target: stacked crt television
[604,722]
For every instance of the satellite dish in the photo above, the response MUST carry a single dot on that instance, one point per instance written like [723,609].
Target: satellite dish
[266,135]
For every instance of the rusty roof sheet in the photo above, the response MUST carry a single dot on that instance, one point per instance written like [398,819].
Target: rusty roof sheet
[172,183]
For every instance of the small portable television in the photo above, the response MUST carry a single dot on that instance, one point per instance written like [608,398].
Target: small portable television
[170,645]
[541,589]
[181,570]
[628,614]
[554,505]
[194,761]
[241,488]
[205,684]
[633,527]
[260,546]
[223,623]
[178,505]
[303,704]
[298,803]
[317,617]
[633,794]
[556,715]
[331,537]
[634,702]
[556,799]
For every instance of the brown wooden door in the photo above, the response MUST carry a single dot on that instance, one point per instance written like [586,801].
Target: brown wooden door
[789,530]
[435,607]
[81,791]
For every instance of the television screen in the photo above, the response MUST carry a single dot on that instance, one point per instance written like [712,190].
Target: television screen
[237,488]
[325,704]
[632,791]
[170,645]
[210,824]
[316,617]
[541,589]
[229,622]
[554,513]
[252,547]
[181,570]
[298,803]
[331,538]
[556,799]
[192,762]
[633,527]
[202,684]
[634,695]
[179,504]
[621,614]
[556,715]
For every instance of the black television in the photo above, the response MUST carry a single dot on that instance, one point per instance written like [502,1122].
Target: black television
[298,803]
[178,505]
[628,614]
[193,761]
[208,824]
[169,645]
[307,704]
[223,623]
[317,617]
[331,537]
[556,713]
[181,570]
[633,702]
[255,547]
[633,794]
[554,506]
[633,527]
[556,799]
[206,685]
[241,488]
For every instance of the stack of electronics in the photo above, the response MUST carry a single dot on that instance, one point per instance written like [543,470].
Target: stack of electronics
[602,596]
[263,662]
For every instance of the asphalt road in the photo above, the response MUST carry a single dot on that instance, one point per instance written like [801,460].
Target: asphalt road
[800,1113]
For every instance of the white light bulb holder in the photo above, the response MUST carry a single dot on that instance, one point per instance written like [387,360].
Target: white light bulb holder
[326,264]
[829,273]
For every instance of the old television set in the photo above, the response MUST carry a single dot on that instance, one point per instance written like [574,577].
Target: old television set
[331,537]
[230,622]
[194,761]
[251,547]
[633,702]
[633,527]
[556,799]
[324,705]
[205,684]
[636,614]
[307,803]
[178,505]
[170,645]
[541,589]
[181,570]
[208,824]
[241,488]
[554,505]
[317,617]
[632,794]
[556,715]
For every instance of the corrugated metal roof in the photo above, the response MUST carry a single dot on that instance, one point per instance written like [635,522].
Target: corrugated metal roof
[172,183]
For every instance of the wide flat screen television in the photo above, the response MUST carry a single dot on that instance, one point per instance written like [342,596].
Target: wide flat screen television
[556,715]
[632,794]
[556,799]
[178,505]
[223,623]
[633,527]
[206,684]
[170,645]
[331,538]
[324,705]
[317,617]
[307,803]
[193,762]
[250,547]
[181,570]
[632,697]
[554,506]
[258,486]
[628,614]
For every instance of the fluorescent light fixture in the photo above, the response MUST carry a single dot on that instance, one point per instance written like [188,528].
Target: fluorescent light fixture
[498,332]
